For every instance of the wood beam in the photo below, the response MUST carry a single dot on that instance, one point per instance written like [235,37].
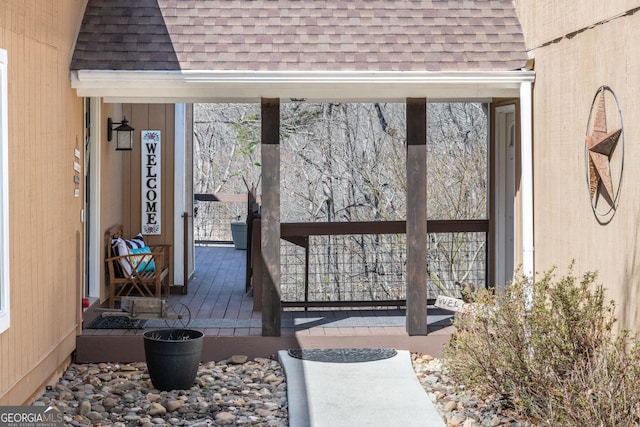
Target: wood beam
[297,229]
[416,216]
[225,198]
[270,230]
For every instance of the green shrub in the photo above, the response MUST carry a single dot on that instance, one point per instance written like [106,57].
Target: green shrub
[549,348]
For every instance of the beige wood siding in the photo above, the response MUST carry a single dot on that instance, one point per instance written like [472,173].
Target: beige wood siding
[547,21]
[121,173]
[46,232]
[568,73]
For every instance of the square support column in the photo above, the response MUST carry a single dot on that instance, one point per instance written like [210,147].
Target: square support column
[416,216]
[270,230]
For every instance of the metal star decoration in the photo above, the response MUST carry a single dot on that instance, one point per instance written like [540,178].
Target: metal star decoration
[601,145]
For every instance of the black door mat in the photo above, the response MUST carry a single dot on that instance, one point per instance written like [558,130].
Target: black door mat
[343,355]
[116,322]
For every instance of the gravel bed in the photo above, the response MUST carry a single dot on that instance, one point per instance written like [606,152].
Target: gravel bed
[236,392]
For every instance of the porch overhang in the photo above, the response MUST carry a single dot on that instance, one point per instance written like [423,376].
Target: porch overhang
[415,88]
[115,86]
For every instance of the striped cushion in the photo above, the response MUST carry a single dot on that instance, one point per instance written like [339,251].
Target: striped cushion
[123,247]
[136,242]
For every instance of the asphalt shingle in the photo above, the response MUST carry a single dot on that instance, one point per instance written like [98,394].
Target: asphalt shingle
[294,35]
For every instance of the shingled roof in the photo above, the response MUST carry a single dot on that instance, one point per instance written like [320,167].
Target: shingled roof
[300,35]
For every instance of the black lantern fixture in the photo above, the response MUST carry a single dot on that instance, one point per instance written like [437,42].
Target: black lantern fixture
[124,134]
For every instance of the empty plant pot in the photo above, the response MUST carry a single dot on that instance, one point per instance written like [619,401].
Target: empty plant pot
[239,234]
[173,357]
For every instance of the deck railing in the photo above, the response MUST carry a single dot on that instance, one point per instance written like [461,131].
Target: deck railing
[364,263]
[213,214]
[349,264]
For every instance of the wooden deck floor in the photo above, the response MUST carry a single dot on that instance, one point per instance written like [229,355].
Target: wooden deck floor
[221,308]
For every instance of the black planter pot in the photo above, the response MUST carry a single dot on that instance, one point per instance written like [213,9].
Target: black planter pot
[173,356]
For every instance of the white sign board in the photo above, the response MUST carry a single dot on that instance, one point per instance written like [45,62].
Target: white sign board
[449,303]
[151,163]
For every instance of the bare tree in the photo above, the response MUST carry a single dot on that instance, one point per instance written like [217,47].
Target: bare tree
[347,162]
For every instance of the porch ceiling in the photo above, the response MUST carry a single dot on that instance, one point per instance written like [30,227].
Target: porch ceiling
[221,50]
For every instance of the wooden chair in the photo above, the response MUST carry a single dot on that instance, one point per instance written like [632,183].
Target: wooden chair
[124,279]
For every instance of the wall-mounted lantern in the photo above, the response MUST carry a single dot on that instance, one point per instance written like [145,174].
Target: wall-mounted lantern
[124,134]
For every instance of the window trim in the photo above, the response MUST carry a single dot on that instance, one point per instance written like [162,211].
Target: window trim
[4,197]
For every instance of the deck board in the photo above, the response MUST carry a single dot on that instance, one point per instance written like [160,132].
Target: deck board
[221,308]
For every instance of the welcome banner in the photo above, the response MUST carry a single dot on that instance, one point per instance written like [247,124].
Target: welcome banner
[151,163]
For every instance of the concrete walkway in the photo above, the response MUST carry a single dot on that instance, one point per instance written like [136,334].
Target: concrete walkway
[377,393]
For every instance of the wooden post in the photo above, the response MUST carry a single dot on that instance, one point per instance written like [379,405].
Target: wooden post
[270,229]
[256,265]
[251,210]
[416,216]
[185,277]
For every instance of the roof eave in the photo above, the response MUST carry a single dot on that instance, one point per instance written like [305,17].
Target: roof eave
[251,86]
